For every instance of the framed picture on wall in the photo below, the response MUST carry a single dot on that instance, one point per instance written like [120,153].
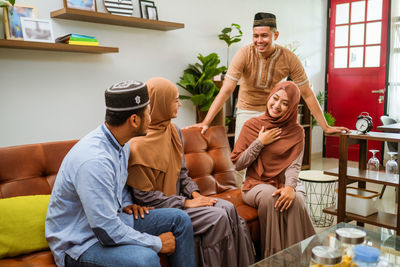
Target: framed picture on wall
[12,20]
[152,12]
[89,5]
[37,30]
[143,4]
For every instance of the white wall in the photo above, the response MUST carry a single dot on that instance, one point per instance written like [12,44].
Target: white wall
[51,96]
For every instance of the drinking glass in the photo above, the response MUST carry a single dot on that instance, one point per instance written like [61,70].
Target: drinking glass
[373,163]
[391,164]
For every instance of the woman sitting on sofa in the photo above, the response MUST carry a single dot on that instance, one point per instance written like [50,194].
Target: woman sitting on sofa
[271,148]
[159,178]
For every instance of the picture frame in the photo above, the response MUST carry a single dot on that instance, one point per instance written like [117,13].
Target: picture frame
[89,5]
[143,4]
[12,20]
[152,12]
[37,30]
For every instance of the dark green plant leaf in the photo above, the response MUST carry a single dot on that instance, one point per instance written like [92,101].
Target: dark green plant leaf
[329,119]
[226,30]
[227,121]
[321,98]
[199,100]
[197,80]
[187,79]
[236,40]
[206,106]
[184,97]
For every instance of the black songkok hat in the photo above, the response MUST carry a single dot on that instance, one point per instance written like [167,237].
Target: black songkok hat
[127,95]
[264,19]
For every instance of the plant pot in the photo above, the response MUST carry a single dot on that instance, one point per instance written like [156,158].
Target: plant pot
[218,120]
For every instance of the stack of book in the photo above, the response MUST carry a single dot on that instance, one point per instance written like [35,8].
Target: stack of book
[78,39]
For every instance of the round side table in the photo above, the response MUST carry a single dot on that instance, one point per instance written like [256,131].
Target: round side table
[320,189]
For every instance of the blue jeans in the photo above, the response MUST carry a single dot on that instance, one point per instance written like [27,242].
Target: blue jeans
[158,221]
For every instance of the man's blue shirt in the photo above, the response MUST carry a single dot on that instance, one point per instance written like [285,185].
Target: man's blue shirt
[87,199]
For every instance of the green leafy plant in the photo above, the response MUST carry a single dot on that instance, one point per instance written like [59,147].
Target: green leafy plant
[7,4]
[227,121]
[328,116]
[197,79]
[230,35]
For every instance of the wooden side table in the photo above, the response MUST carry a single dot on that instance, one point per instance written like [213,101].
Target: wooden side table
[360,174]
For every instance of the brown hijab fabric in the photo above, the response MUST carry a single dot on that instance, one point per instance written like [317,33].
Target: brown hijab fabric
[274,158]
[161,148]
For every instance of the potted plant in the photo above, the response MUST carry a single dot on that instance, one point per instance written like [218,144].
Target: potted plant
[230,35]
[197,80]
[328,116]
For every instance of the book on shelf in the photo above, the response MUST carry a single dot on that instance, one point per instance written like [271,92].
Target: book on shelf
[75,37]
[82,39]
[71,42]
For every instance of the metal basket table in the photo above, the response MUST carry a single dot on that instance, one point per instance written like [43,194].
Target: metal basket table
[320,189]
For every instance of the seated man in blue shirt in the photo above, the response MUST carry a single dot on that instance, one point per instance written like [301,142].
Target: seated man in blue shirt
[85,225]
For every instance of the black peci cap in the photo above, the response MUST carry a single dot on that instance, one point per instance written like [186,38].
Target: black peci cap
[264,19]
[127,95]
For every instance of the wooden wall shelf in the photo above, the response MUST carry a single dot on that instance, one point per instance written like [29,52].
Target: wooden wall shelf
[57,47]
[105,18]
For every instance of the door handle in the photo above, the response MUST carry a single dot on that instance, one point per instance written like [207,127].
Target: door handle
[379,91]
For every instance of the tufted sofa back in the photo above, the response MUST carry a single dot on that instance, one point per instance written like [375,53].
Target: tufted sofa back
[208,159]
[31,169]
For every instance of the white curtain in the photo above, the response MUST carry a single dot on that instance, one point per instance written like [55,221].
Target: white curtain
[394,70]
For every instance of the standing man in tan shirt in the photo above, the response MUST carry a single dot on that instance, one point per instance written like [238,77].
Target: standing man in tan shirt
[260,66]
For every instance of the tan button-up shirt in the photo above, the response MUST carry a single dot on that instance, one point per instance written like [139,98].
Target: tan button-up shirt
[259,75]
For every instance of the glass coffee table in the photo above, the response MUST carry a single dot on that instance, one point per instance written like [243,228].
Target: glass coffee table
[300,253]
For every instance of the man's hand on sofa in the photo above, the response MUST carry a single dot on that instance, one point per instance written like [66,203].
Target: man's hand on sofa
[200,201]
[136,210]
[168,243]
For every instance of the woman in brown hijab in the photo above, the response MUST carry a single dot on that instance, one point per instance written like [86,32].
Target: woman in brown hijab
[271,148]
[159,179]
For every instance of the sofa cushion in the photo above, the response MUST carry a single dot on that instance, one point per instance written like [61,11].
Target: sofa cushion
[208,160]
[22,225]
[31,169]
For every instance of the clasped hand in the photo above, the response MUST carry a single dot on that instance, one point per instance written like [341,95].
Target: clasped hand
[136,210]
[285,199]
[269,136]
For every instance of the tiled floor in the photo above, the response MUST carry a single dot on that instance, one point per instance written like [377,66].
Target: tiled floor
[387,203]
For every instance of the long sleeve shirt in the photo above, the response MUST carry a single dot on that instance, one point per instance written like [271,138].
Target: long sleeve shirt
[289,176]
[87,199]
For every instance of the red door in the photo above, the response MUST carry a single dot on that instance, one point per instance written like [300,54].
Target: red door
[357,66]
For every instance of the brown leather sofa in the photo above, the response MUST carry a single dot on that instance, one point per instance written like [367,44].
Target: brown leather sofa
[209,164]
[32,169]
